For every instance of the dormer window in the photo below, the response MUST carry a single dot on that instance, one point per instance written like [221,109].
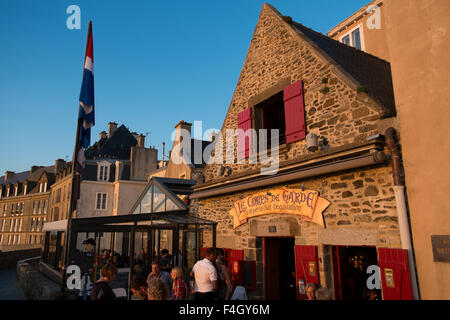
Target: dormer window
[25,189]
[354,38]
[7,191]
[103,171]
[40,187]
[16,189]
[45,186]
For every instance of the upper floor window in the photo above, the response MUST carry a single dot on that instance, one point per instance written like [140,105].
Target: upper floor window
[269,114]
[25,189]
[284,111]
[45,206]
[58,196]
[103,172]
[354,38]
[100,203]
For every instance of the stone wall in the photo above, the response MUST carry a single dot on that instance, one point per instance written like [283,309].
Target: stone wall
[362,213]
[362,203]
[34,285]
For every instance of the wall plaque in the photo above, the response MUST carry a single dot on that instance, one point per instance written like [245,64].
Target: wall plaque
[441,248]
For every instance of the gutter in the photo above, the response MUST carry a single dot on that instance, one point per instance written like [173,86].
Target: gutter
[400,200]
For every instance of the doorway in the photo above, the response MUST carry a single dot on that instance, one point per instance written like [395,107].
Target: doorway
[280,268]
[350,265]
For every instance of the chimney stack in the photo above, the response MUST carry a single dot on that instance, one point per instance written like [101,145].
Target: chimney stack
[212,136]
[103,135]
[141,141]
[182,125]
[9,175]
[33,169]
[59,165]
[112,127]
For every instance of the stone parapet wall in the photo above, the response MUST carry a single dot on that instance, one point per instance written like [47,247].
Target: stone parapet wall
[34,285]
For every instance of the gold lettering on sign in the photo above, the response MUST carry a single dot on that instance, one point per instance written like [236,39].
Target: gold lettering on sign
[305,203]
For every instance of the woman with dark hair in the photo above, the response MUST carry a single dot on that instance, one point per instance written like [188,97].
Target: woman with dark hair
[101,289]
[225,282]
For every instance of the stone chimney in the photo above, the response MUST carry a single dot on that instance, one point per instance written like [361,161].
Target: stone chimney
[141,141]
[9,175]
[59,165]
[33,169]
[212,136]
[103,135]
[182,125]
[112,127]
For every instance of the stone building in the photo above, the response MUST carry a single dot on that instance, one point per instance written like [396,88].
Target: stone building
[327,210]
[414,38]
[24,203]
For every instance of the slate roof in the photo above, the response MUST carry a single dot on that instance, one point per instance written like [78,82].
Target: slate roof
[118,146]
[370,71]
[204,145]
[19,176]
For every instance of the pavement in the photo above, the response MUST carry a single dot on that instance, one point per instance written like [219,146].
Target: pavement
[9,286]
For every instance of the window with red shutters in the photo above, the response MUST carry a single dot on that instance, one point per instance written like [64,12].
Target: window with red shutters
[294,111]
[284,111]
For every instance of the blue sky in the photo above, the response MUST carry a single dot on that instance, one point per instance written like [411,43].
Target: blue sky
[155,63]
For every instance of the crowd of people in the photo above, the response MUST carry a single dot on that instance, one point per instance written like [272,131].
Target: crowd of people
[208,280]
[211,279]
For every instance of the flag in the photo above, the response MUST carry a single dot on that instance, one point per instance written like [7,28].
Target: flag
[86,113]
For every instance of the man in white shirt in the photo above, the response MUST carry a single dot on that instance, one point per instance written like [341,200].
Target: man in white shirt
[205,275]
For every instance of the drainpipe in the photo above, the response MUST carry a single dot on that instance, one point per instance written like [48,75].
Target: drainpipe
[403,222]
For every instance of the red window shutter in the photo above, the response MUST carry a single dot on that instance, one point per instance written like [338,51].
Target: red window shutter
[244,142]
[234,257]
[294,112]
[395,274]
[306,267]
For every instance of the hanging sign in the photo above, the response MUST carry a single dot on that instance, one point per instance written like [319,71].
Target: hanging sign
[305,203]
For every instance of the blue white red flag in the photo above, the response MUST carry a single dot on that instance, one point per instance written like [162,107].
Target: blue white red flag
[86,114]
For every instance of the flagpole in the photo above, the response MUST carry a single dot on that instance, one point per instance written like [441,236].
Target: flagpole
[75,184]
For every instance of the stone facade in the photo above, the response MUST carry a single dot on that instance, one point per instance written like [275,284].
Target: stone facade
[363,206]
